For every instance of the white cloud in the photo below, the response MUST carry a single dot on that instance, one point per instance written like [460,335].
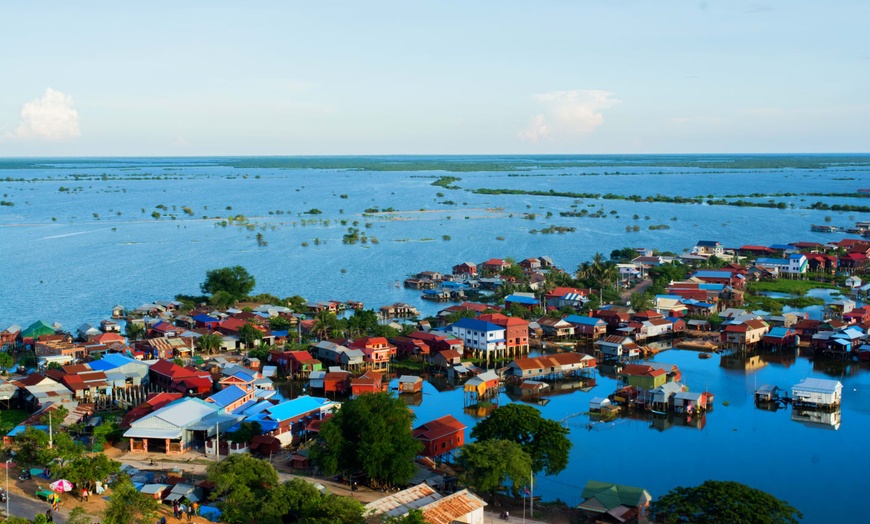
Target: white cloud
[48,118]
[567,113]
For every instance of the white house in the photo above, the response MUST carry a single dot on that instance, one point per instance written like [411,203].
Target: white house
[479,335]
[817,392]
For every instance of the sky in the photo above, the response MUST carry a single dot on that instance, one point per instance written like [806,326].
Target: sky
[433,77]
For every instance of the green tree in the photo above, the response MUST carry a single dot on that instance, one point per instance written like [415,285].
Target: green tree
[242,484]
[543,439]
[78,515]
[279,324]
[6,360]
[325,323]
[625,254]
[210,343]
[246,431]
[513,271]
[30,445]
[714,502]
[250,334]
[128,506]
[642,301]
[489,464]
[86,468]
[135,330]
[415,516]
[299,501]
[370,435]
[235,281]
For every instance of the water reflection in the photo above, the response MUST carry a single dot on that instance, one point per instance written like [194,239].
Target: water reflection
[817,419]
[742,361]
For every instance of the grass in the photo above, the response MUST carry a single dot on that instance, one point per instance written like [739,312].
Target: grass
[10,418]
[416,365]
[793,287]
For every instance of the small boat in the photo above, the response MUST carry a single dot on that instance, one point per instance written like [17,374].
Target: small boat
[704,355]
[657,412]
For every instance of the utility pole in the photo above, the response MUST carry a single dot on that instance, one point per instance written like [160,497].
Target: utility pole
[532,497]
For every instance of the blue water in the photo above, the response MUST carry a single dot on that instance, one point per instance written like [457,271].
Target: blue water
[61,262]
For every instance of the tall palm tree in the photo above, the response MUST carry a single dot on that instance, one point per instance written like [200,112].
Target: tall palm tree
[210,343]
[324,323]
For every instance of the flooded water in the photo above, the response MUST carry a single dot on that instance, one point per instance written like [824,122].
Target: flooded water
[782,452]
[83,236]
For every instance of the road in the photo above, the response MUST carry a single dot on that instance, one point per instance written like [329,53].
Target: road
[28,507]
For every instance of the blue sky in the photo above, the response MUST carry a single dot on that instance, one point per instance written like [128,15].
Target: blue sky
[434,77]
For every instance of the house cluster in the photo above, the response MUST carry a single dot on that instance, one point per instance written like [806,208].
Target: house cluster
[656,387]
[845,334]
[815,401]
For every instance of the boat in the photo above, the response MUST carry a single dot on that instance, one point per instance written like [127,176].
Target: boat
[824,229]
[704,355]
[657,412]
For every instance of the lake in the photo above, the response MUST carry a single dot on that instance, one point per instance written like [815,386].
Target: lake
[83,235]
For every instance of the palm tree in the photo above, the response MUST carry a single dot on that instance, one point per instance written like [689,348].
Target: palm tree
[135,331]
[324,323]
[210,343]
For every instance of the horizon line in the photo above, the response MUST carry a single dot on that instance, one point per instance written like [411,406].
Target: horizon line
[375,155]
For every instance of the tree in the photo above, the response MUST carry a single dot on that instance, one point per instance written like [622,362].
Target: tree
[722,501]
[246,431]
[250,333]
[325,322]
[279,324]
[370,435]
[135,330]
[242,483]
[543,439]
[129,506]
[78,515]
[86,468]
[641,301]
[415,516]
[30,444]
[299,501]
[250,492]
[235,281]
[210,343]
[6,360]
[488,464]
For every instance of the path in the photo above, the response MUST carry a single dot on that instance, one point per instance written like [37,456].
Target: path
[640,287]
[30,507]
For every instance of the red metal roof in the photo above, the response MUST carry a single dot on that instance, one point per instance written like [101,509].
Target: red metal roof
[440,427]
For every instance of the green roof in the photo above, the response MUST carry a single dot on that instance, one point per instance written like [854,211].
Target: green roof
[614,495]
[37,329]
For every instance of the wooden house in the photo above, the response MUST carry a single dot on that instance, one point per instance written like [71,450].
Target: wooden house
[441,436]
[744,334]
[643,376]
[587,327]
[482,387]
[336,382]
[689,402]
[556,327]
[608,502]
[410,384]
[615,347]
[368,382]
[779,337]
[446,359]
[817,392]
[465,268]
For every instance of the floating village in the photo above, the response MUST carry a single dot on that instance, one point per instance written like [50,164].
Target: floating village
[178,377]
